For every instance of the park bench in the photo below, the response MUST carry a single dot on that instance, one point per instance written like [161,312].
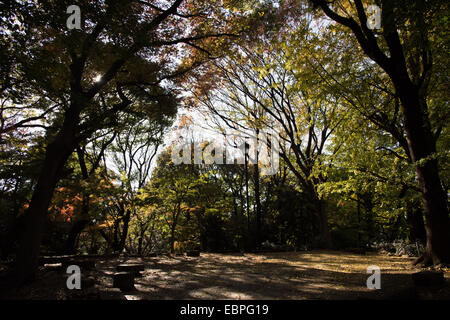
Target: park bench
[124,280]
[193,253]
[131,267]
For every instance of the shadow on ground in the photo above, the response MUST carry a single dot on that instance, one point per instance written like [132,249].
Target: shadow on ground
[273,276]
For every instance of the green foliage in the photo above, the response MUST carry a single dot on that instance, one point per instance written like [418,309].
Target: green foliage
[344,145]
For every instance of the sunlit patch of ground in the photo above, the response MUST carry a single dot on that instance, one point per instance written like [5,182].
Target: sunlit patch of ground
[286,275]
[275,276]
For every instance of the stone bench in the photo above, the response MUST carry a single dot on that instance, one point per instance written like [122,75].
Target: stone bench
[62,266]
[54,259]
[131,267]
[65,261]
[83,264]
[193,253]
[57,267]
[111,294]
[428,278]
[124,281]
[86,281]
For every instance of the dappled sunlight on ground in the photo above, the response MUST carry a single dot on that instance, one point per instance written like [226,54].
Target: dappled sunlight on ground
[274,276]
[284,275]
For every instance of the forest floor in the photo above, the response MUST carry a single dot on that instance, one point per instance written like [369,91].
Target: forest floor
[274,276]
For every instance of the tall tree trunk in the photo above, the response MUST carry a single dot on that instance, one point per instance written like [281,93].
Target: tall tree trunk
[247,199]
[70,245]
[172,239]
[358,211]
[422,145]
[78,226]
[57,154]
[257,202]
[419,135]
[410,90]
[324,232]
[414,217]
[140,240]
[124,234]
[204,241]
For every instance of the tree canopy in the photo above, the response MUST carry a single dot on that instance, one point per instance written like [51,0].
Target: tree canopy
[87,118]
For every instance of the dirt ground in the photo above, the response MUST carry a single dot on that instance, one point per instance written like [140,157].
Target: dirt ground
[274,276]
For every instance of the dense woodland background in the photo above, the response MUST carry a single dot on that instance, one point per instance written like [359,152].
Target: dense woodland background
[86,117]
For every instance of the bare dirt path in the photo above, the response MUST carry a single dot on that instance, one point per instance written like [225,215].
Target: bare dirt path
[275,276]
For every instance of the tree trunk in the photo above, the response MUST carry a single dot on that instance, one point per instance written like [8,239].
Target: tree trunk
[421,141]
[123,236]
[247,199]
[204,241]
[140,244]
[172,240]
[78,226]
[414,217]
[420,138]
[324,233]
[422,145]
[57,154]
[257,203]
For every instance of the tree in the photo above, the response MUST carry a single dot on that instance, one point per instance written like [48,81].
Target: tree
[256,88]
[171,189]
[88,170]
[119,42]
[404,52]
[371,178]
[132,154]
